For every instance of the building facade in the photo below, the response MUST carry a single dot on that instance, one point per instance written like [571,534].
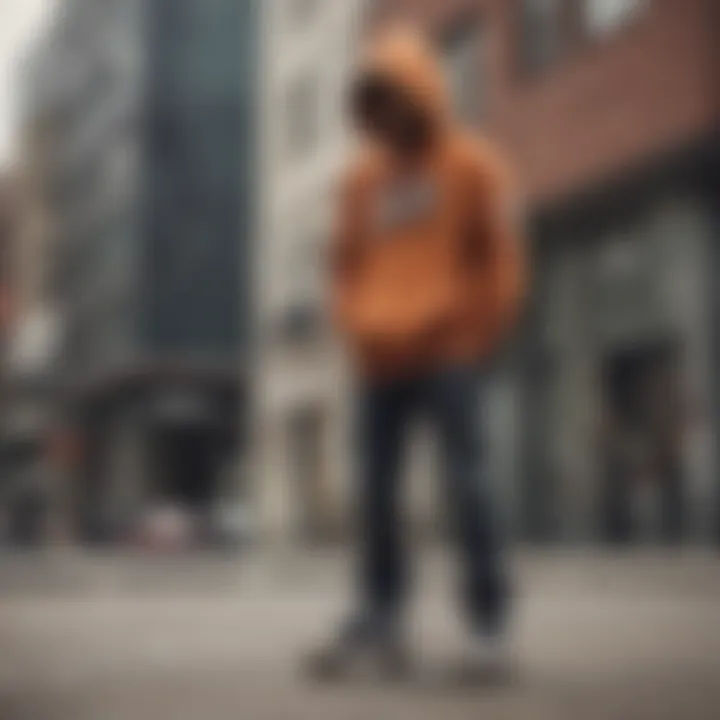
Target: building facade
[609,112]
[31,493]
[300,405]
[152,195]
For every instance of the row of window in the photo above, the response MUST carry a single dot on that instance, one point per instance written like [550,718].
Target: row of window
[548,28]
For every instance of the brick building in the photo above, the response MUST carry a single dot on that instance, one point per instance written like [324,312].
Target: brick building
[609,111]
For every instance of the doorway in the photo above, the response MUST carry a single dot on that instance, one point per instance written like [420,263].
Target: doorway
[27,500]
[642,441]
[187,467]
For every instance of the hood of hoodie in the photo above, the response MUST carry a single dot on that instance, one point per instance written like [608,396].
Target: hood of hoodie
[403,58]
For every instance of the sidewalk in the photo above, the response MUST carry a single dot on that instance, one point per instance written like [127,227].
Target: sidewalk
[635,637]
[73,571]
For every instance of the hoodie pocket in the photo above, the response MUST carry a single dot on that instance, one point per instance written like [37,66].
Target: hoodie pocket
[398,326]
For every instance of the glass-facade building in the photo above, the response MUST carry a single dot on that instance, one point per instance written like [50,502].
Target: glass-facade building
[153,190]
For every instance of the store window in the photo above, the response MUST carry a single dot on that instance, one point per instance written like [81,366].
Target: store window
[541,34]
[606,16]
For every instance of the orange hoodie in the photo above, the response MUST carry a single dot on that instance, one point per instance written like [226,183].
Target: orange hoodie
[427,268]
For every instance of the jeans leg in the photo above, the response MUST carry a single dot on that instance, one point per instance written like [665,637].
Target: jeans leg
[453,400]
[384,411]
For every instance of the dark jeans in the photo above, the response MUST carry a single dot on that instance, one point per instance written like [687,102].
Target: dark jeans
[451,400]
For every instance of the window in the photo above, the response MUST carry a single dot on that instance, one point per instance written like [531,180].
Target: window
[605,16]
[302,114]
[304,264]
[300,12]
[463,67]
[302,316]
[541,33]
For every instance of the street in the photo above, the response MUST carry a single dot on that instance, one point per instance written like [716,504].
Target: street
[627,637]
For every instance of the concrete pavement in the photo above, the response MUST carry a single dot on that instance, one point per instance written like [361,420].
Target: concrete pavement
[628,637]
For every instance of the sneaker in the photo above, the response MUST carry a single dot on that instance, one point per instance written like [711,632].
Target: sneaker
[362,648]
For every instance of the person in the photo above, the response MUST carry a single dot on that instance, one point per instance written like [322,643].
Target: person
[646,422]
[668,422]
[427,281]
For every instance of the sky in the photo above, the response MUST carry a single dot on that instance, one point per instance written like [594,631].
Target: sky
[20,20]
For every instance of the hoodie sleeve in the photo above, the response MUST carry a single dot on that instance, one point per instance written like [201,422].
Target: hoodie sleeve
[497,246]
[345,254]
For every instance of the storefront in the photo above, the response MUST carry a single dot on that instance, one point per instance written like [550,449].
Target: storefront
[618,403]
[28,475]
[150,444]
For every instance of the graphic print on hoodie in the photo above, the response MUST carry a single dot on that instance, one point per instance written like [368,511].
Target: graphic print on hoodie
[402,202]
